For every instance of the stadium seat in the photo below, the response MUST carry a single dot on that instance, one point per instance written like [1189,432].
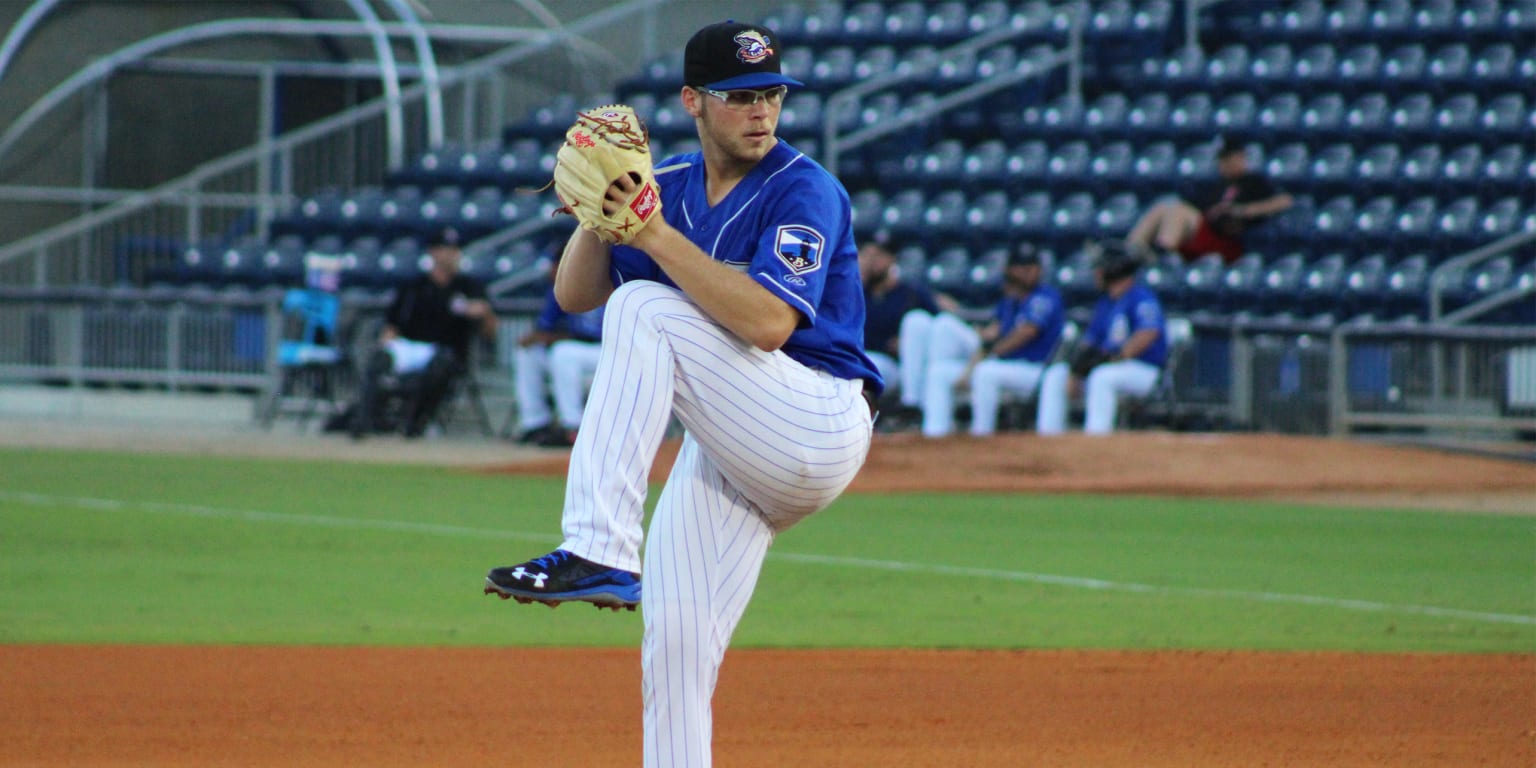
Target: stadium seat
[1191,115]
[1414,116]
[987,215]
[1507,116]
[1069,161]
[361,212]
[1405,284]
[1359,67]
[949,270]
[1404,67]
[1107,112]
[1279,286]
[1363,285]
[1390,16]
[1378,167]
[986,162]
[1368,115]
[867,207]
[1117,214]
[1154,168]
[1321,283]
[1457,226]
[1110,167]
[1324,114]
[944,214]
[1235,113]
[1317,63]
[1346,17]
[1032,213]
[1502,218]
[1456,118]
[1333,168]
[1423,164]
[939,166]
[1148,113]
[1197,162]
[1281,114]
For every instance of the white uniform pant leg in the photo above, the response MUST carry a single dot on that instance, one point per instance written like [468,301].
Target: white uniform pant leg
[571,363]
[529,366]
[788,438]
[1106,384]
[939,397]
[703,554]
[951,342]
[912,349]
[988,383]
[1051,413]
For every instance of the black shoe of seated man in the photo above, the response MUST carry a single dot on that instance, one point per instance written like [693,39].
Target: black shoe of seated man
[558,437]
[534,435]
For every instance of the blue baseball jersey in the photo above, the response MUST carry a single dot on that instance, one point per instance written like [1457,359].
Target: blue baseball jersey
[586,326]
[787,225]
[1043,309]
[1114,320]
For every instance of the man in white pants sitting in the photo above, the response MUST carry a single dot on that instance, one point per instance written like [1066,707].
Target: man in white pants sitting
[557,357]
[1007,354]
[1122,353]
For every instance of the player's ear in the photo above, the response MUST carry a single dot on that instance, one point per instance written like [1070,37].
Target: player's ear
[692,101]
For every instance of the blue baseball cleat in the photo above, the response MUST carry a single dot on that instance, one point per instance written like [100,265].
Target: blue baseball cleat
[562,577]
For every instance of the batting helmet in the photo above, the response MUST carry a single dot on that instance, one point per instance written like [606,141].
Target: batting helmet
[1115,260]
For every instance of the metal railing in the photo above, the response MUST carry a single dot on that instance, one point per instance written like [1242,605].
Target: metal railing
[242,192]
[1448,275]
[1040,62]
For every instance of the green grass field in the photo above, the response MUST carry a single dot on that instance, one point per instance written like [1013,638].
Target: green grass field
[99,548]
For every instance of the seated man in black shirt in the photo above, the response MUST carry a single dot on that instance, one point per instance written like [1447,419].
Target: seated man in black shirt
[1214,218]
[424,345]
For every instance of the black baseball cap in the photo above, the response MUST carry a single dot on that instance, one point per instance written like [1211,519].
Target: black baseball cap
[731,55]
[1023,255]
[444,236]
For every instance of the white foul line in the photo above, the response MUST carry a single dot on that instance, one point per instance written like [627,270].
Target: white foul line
[328,521]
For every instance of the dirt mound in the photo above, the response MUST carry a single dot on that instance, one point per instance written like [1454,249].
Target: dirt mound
[1230,465]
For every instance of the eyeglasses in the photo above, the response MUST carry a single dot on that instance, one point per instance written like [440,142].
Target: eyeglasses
[746,99]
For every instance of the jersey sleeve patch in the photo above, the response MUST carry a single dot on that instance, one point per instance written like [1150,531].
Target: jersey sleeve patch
[800,248]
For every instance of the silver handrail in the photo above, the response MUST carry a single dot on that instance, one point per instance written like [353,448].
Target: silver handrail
[1458,264]
[833,146]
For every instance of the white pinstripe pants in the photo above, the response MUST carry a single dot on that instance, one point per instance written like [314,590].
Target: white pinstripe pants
[768,442]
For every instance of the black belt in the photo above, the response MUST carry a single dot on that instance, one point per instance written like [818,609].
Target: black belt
[869,400]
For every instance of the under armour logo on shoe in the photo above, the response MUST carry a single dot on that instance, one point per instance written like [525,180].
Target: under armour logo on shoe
[538,578]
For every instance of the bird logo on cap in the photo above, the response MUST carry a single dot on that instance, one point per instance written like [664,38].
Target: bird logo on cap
[754,47]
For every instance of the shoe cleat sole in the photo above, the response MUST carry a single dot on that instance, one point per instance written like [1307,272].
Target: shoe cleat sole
[598,601]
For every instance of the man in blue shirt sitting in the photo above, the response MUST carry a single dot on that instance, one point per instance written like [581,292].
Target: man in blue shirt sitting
[1122,353]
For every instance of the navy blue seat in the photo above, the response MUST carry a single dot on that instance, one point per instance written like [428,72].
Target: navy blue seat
[1198,162]
[1116,215]
[1404,68]
[833,68]
[1422,165]
[1378,168]
[1333,168]
[940,166]
[1502,218]
[1457,226]
[400,211]
[986,162]
[1235,113]
[1414,116]
[1148,114]
[1203,282]
[1321,284]
[1376,221]
[1281,114]
[1416,220]
[948,270]
[944,214]
[1190,116]
[1368,116]
[1346,17]
[1507,116]
[1494,69]
[987,214]
[1359,68]
[1405,287]
[1317,63]
[1239,290]
[1106,114]
[1363,286]
[1456,118]
[867,206]
[361,212]
[903,213]
[1154,168]
[1279,287]
[1032,212]
[480,212]
[1069,161]
[1324,115]
[1029,160]
[1110,167]
[1335,222]
[1505,170]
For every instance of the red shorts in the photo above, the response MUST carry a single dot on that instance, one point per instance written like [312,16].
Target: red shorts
[1206,240]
